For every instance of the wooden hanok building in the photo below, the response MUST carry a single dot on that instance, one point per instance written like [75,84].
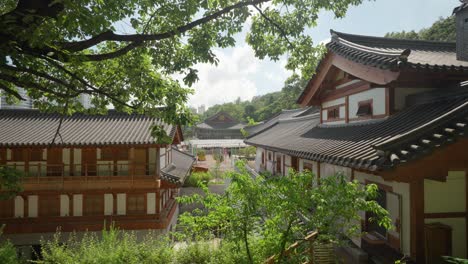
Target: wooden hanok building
[219,126]
[391,112]
[102,169]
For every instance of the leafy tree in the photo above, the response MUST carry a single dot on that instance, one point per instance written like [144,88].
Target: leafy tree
[10,182]
[57,50]
[444,29]
[262,216]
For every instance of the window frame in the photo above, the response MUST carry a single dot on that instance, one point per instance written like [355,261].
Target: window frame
[367,103]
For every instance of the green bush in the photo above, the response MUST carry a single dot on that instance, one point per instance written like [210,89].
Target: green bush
[218,156]
[196,177]
[113,246]
[8,253]
[201,155]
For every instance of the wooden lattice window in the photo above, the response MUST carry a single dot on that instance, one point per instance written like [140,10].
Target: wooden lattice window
[49,205]
[93,204]
[136,204]
[333,113]
[307,166]
[263,157]
[269,155]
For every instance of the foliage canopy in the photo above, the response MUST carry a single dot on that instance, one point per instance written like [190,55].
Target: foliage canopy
[57,50]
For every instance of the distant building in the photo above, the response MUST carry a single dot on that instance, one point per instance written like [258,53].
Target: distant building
[84,99]
[27,104]
[219,126]
[193,110]
[201,109]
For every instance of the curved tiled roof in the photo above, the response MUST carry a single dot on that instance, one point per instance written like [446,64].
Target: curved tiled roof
[33,128]
[284,114]
[374,145]
[180,167]
[388,53]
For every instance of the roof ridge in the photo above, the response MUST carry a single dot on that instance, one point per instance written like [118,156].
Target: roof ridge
[404,42]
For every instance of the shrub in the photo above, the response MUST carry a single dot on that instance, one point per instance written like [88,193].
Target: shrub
[8,253]
[218,156]
[201,155]
[113,246]
[195,178]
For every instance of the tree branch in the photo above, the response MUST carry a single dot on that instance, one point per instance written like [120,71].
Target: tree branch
[12,92]
[86,84]
[26,84]
[281,30]
[111,36]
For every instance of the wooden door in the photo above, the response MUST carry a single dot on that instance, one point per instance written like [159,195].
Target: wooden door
[140,161]
[88,161]
[54,162]
[295,163]
[278,165]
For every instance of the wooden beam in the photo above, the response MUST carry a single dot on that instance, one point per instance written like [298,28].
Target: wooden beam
[364,72]
[417,220]
[317,80]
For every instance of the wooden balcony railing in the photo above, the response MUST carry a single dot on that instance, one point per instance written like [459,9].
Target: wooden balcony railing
[303,248]
[37,169]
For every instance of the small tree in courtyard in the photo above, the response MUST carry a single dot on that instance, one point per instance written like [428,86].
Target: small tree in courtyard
[262,217]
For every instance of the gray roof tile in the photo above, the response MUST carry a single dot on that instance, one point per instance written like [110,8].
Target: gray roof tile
[33,128]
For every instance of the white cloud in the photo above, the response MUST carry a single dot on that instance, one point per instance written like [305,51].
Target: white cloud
[232,78]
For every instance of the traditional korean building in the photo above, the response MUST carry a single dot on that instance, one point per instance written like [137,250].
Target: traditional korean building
[102,169]
[219,126]
[390,112]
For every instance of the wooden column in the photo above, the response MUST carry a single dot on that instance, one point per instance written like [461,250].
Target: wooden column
[417,220]
[346,109]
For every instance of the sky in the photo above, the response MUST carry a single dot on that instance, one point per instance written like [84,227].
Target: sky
[240,74]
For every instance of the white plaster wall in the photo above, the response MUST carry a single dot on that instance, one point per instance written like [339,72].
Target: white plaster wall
[401,93]
[333,102]
[378,101]
[8,152]
[287,164]
[324,114]
[32,206]
[77,160]
[327,170]
[121,204]
[458,226]
[270,163]
[77,205]
[64,205]
[151,203]
[258,159]
[403,190]
[98,153]
[19,206]
[342,111]
[344,85]
[443,197]
[162,156]
[108,204]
